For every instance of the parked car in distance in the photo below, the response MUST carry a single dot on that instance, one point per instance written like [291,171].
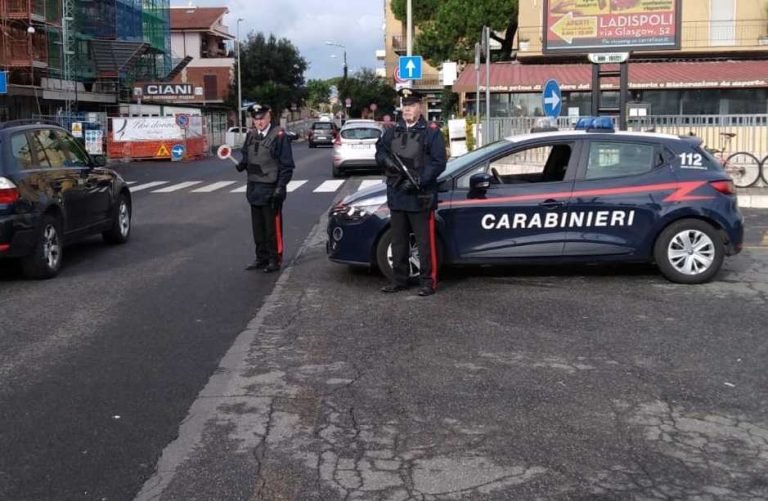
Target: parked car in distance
[52,193]
[235,136]
[355,146]
[322,133]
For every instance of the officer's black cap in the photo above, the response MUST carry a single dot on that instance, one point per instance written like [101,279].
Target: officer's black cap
[258,110]
[409,96]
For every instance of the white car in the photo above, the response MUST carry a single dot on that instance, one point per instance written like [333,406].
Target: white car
[233,138]
[355,146]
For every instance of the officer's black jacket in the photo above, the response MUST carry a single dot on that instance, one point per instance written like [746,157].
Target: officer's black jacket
[432,164]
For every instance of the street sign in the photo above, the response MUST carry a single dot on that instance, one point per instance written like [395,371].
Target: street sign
[608,57]
[182,120]
[3,82]
[177,152]
[410,67]
[77,129]
[551,98]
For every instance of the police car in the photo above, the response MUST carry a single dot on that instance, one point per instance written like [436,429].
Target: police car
[592,195]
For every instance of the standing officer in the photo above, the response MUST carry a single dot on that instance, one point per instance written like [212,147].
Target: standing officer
[421,148]
[268,158]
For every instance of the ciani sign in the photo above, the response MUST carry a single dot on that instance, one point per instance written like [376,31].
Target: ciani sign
[152,91]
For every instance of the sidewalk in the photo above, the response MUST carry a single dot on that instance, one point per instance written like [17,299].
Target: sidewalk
[753,198]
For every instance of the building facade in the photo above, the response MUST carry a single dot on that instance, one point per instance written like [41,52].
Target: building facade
[720,67]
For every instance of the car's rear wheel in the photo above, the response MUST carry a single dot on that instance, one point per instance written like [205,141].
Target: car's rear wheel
[384,257]
[45,259]
[121,222]
[689,251]
[311,144]
[336,171]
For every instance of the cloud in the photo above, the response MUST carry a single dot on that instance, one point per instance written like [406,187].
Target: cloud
[308,24]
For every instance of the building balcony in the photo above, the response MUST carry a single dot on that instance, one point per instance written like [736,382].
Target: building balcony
[24,53]
[399,44]
[36,10]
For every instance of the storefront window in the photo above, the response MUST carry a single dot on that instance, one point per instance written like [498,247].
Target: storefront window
[701,102]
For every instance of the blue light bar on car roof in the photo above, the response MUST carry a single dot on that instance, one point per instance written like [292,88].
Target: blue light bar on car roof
[595,124]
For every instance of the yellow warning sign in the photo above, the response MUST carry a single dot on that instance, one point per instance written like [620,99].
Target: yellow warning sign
[162,151]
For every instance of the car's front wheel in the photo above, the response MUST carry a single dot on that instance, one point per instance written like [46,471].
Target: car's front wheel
[45,259]
[689,251]
[120,230]
[384,257]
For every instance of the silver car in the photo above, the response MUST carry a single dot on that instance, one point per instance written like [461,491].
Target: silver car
[355,147]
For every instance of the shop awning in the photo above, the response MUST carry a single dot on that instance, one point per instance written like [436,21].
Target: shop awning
[517,77]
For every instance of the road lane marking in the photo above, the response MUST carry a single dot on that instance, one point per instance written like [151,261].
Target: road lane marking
[329,186]
[241,189]
[177,187]
[765,239]
[367,183]
[295,185]
[147,185]
[130,182]
[213,187]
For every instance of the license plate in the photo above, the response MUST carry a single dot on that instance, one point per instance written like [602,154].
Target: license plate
[321,137]
[360,146]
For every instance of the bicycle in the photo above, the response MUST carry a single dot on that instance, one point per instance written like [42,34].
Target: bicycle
[743,167]
[764,169]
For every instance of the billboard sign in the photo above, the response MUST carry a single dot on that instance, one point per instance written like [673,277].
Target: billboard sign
[587,26]
[162,91]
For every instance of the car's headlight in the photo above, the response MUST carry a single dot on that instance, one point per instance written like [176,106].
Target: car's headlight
[360,209]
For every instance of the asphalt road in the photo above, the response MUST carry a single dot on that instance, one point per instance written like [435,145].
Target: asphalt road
[99,366]
[163,368]
[524,383]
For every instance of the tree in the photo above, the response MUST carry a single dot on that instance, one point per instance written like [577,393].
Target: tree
[272,73]
[449,29]
[318,92]
[365,88]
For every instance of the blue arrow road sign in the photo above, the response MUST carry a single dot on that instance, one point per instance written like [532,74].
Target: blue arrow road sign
[410,67]
[177,152]
[3,82]
[551,98]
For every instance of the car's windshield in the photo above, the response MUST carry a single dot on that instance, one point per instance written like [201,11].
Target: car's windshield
[458,164]
[361,133]
[326,126]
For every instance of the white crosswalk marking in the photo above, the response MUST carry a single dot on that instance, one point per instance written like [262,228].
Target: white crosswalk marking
[177,187]
[294,185]
[130,182]
[241,189]
[147,185]
[329,186]
[367,183]
[213,187]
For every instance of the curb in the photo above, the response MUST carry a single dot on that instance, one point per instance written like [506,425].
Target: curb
[752,198]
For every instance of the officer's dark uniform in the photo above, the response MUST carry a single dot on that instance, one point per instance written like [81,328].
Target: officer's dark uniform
[422,149]
[269,163]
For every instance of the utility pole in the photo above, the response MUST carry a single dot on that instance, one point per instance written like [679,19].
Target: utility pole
[487,42]
[478,51]
[409,29]
[239,88]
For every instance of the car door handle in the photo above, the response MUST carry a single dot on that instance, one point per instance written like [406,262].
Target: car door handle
[551,204]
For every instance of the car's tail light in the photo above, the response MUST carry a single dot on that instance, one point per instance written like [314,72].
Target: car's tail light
[9,193]
[725,187]
[337,140]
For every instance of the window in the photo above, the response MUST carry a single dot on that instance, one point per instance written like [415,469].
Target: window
[21,151]
[361,133]
[614,159]
[59,149]
[536,164]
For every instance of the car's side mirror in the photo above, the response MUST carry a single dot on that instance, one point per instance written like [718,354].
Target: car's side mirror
[99,160]
[480,181]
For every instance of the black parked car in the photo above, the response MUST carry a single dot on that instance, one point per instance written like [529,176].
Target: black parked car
[52,193]
[322,133]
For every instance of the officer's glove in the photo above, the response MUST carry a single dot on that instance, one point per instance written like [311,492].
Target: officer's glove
[240,166]
[278,196]
[408,187]
[390,167]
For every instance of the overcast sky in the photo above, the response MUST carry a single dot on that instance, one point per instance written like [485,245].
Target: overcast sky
[356,24]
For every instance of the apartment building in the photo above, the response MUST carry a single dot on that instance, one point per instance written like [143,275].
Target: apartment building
[69,56]
[718,65]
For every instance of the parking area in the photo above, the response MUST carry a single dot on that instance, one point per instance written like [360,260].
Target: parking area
[510,383]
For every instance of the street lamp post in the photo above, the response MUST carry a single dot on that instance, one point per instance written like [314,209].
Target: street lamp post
[239,89]
[344,80]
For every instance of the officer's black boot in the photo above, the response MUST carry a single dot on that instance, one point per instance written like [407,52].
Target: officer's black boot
[426,290]
[271,266]
[393,288]
[257,264]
